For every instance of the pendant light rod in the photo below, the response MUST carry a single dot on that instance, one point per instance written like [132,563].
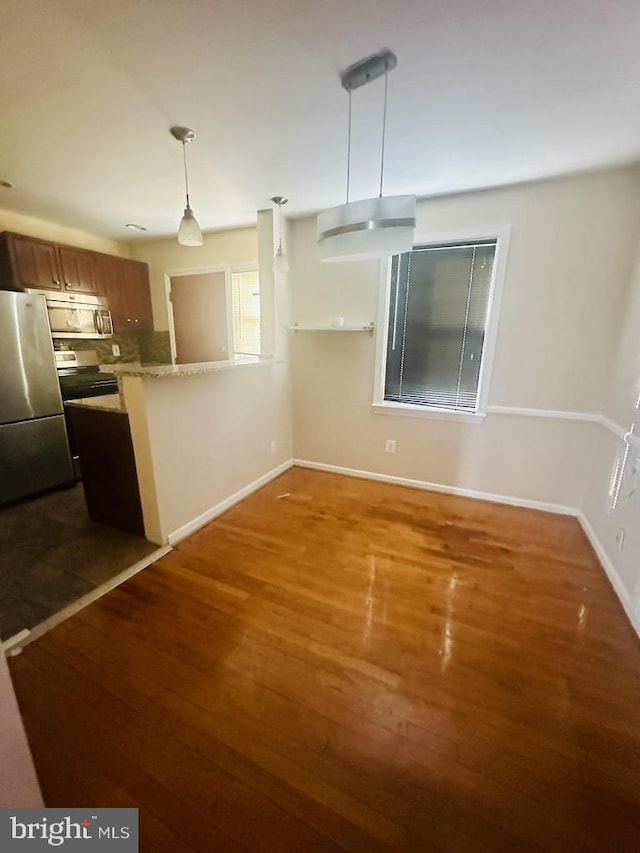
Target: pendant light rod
[186,174]
[280,260]
[189,233]
[279,200]
[374,227]
[384,127]
[349,149]
[357,75]
[184,135]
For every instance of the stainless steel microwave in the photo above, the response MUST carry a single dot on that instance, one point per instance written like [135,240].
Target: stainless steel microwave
[77,315]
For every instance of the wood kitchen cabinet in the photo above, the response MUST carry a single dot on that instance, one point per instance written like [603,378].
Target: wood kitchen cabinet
[78,269]
[31,262]
[125,283]
[103,442]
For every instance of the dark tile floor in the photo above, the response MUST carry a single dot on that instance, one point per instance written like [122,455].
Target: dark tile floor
[51,554]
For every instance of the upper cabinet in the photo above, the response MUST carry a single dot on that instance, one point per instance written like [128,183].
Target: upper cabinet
[31,262]
[78,269]
[125,283]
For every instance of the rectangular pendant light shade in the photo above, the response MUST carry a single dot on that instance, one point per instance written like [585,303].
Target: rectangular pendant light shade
[371,228]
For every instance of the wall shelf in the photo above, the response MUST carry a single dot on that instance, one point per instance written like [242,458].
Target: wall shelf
[326,327]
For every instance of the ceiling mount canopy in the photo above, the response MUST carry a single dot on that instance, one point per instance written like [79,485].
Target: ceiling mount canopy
[375,227]
[189,233]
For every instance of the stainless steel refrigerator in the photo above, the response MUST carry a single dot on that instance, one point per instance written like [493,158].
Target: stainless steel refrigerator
[34,451]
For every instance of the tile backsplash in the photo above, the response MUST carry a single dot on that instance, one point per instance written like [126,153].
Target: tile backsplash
[136,347]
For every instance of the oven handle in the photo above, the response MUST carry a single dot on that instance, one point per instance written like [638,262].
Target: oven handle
[97,321]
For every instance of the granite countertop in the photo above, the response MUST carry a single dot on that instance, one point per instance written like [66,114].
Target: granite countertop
[160,371]
[108,402]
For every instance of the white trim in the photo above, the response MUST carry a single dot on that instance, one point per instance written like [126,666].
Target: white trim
[502,235]
[612,426]
[16,643]
[388,407]
[610,570]
[586,417]
[170,318]
[544,413]
[560,509]
[214,511]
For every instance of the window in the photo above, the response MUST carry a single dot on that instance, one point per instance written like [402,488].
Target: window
[440,318]
[245,297]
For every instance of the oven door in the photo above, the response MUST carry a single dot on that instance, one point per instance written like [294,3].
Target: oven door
[75,320]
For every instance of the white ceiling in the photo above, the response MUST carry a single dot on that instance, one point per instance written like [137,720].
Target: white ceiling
[484,94]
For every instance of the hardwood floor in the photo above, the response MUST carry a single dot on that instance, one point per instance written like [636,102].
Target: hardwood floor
[341,664]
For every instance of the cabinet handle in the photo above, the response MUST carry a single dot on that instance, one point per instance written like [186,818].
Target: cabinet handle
[56,281]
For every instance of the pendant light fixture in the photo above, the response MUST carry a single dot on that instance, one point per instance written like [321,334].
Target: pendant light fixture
[280,260]
[189,233]
[373,227]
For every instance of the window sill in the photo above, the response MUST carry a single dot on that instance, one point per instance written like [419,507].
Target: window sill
[408,411]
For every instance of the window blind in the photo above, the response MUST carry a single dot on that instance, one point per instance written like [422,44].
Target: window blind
[245,290]
[437,321]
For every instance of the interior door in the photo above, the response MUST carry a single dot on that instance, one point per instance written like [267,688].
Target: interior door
[200,317]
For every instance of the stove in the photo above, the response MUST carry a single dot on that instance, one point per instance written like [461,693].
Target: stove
[78,382]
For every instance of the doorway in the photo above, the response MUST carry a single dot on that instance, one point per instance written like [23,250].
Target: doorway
[214,315]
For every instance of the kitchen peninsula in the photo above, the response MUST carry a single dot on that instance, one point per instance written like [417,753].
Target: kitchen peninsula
[204,439]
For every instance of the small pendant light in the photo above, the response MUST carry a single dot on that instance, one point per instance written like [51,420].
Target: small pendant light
[373,227]
[280,260]
[189,233]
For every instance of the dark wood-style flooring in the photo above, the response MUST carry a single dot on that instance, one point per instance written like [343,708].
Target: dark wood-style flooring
[341,664]
[52,554]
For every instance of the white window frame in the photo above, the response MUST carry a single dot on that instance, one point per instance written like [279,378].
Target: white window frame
[502,235]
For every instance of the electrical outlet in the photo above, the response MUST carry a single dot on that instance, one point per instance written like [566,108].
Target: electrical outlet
[390,445]
[115,349]
[274,447]
[620,539]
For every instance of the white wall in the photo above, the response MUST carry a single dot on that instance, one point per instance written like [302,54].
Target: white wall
[32,227]
[623,566]
[18,783]
[571,255]
[223,248]
[200,439]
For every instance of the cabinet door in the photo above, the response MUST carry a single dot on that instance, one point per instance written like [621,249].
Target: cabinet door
[110,283]
[138,296]
[35,262]
[78,269]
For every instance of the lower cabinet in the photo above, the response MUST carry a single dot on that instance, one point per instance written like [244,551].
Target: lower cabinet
[103,442]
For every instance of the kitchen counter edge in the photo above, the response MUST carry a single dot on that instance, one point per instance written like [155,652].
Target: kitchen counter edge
[162,371]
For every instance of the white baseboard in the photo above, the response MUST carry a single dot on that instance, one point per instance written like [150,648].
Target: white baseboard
[605,561]
[560,509]
[214,511]
[607,564]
